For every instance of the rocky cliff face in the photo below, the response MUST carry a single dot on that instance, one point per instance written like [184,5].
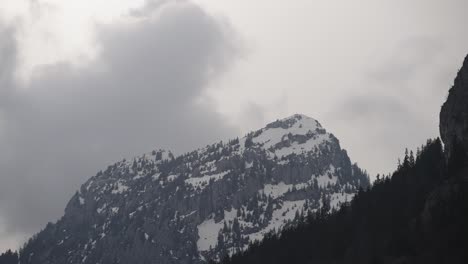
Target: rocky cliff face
[454,113]
[203,205]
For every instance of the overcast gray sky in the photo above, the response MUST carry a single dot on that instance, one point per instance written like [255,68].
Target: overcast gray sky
[86,83]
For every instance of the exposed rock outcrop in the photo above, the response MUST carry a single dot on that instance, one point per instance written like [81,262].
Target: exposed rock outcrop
[454,113]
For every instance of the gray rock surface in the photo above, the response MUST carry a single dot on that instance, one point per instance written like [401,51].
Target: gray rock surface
[202,205]
[454,113]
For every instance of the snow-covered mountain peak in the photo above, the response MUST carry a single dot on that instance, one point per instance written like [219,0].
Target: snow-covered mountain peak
[296,134]
[296,119]
[299,117]
[204,204]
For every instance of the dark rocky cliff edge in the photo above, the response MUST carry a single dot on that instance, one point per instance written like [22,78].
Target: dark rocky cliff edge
[454,113]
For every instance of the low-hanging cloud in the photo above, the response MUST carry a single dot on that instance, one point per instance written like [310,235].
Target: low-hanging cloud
[397,105]
[140,93]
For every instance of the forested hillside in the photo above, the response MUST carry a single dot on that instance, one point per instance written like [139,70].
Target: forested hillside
[416,215]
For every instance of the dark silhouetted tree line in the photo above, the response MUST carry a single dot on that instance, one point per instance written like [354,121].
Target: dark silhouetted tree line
[419,214]
[9,257]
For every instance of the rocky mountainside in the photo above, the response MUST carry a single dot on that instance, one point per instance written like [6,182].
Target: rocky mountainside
[202,205]
[454,113]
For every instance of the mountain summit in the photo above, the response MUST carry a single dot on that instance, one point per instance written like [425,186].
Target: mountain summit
[205,204]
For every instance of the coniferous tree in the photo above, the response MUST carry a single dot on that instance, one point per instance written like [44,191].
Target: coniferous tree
[411,159]
[9,257]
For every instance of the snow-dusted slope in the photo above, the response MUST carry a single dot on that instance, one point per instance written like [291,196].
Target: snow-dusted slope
[205,204]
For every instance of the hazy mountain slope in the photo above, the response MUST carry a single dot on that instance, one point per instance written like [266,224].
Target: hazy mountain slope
[203,205]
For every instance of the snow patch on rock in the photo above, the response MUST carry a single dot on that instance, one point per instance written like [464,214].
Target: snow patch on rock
[280,218]
[202,182]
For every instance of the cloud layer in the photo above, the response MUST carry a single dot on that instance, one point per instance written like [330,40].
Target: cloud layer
[397,102]
[142,92]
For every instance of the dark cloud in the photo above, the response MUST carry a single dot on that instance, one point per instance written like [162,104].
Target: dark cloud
[7,63]
[141,93]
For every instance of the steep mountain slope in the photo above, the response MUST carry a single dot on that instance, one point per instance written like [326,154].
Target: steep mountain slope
[454,113]
[419,214]
[203,205]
